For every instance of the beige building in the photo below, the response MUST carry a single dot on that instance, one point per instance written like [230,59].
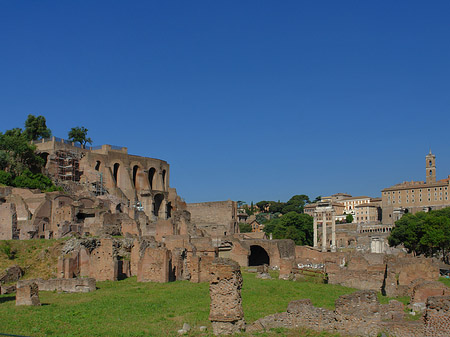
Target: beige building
[351,203]
[415,196]
[367,213]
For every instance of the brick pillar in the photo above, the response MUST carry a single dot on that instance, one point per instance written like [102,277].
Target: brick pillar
[226,314]
[324,231]
[285,268]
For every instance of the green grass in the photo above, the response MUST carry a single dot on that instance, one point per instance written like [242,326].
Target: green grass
[128,308]
[445,280]
[38,258]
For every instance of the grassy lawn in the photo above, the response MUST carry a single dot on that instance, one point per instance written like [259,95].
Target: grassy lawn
[128,308]
[445,280]
[38,258]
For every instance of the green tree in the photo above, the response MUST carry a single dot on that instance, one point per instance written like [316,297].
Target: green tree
[317,199]
[349,218]
[245,227]
[423,233]
[262,217]
[294,226]
[79,134]
[17,154]
[295,204]
[36,128]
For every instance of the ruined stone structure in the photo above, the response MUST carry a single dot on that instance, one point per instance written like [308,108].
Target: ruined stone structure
[357,314]
[326,212]
[437,317]
[217,218]
[392,275]
[226,313]
[255,252]
[27,294]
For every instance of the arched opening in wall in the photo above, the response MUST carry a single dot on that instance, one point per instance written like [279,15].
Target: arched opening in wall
[258,256]
[97,165]
[158,200]
[164,180]
[44,155]
[169,210]
[119,208]
[151,175]
[116,171]
[135,171]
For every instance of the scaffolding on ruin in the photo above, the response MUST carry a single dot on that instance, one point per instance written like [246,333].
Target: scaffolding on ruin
[68,165]
[99,189]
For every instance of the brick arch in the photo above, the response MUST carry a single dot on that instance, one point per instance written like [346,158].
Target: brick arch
[152,174]
[139,176]
[87,202]
[62,199]
[119,173]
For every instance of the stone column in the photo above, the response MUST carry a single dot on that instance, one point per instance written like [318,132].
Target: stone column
[315,229]
[226,313]
[333,231]
[324,231]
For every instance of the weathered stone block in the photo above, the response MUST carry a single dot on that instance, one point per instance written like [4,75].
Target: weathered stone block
[28,295]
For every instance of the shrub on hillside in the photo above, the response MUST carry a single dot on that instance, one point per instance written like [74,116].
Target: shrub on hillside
[5,178]
[34,180]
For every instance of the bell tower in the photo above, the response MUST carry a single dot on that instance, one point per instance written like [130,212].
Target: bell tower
[430,168]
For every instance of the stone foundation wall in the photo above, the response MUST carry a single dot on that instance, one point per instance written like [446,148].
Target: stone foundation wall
[357,314]
[73,285]
[153,265]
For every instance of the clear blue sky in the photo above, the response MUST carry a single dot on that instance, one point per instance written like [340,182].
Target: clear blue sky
[247,100]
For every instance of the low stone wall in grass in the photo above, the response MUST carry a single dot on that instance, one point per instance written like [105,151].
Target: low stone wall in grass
[72,285]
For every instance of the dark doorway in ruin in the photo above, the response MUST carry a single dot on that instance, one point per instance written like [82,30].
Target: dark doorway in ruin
[81,216]
[116,171]
[44,155]
[169,210]
[151,174]
[258,256]
[158,200]
[97,165]
[135,171]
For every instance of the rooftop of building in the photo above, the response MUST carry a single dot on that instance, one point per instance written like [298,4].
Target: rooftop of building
[417,184]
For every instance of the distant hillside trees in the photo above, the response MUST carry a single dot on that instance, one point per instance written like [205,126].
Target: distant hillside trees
[424,233]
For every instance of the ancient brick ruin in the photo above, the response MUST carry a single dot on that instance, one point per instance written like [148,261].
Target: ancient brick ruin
[124,220]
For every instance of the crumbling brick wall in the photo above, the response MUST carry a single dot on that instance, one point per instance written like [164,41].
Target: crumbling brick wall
[437,317]
[153,265]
